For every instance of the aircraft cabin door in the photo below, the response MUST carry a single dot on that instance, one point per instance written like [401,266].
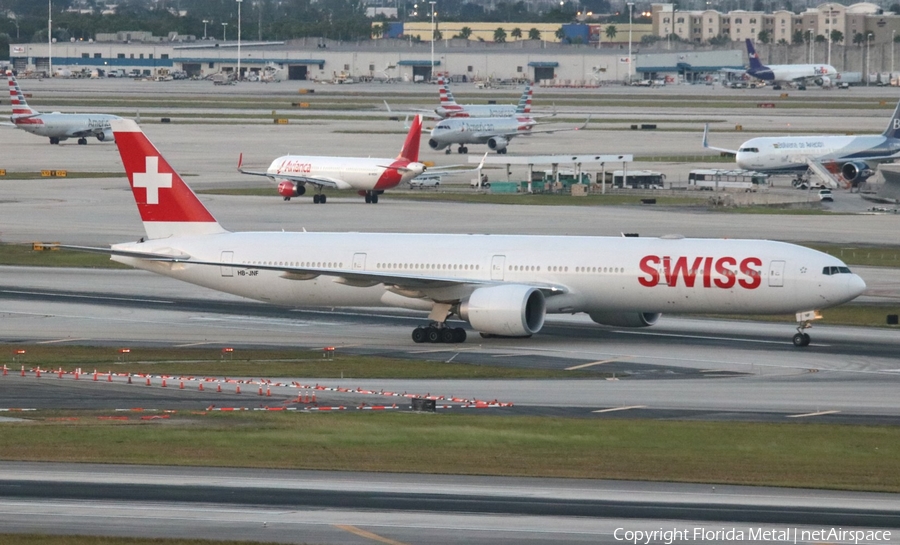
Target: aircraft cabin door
[227,257]
[498,263]
[359,262]
[776,274]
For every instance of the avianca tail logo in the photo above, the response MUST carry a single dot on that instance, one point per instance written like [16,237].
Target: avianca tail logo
[724,272]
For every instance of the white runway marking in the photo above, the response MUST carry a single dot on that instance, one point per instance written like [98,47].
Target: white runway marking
[818,413]
[601,362]
[100,297]
[63,340]
[707,337]
[614,409]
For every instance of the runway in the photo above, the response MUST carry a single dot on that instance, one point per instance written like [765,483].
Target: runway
[329,507]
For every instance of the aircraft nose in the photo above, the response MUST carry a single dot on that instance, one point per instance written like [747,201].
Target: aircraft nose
[855,286]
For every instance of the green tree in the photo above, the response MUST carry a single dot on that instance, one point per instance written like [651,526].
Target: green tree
[764,36]
[611,31]
[465,32]
[560,34]
[516,33]
[858,38]
[783,42]
[820,39]
[797,37]
[534,34]
[500,35]
[377,30]
[438,35]
[837,36]
[895,7]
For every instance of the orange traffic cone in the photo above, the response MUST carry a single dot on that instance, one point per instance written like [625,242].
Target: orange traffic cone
[237,389]
[109,376]
[201,387]
[219,388]
[164,383]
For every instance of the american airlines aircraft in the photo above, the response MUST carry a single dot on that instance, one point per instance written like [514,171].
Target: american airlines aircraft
[367,175]
[799,74]
[853,158]
[496,132]
[56,126]
[501,285]
[450,108]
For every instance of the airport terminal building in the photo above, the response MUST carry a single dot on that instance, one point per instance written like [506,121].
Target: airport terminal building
[399,60]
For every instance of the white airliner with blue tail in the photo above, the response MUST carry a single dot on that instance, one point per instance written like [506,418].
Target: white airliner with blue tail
[838,160]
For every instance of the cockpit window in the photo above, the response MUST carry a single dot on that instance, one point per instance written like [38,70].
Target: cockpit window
[828,271]
[443,126]
[749,150]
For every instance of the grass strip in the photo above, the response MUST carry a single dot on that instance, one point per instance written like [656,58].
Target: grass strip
[202,362]
[862,315]
[69,174]
[860,254]
[772,454]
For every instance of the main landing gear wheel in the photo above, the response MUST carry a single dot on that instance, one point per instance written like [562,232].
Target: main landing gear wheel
[82,141]
[801,340]
[431,334]
[319,199]
[463,149]
[287,198]
[371,197]
[448,152]
[54,140]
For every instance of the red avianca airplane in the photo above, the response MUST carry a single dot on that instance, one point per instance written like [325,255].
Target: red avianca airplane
[500,284]
[370,177]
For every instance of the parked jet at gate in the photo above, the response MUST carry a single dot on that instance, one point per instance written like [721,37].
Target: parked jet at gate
[792,74]
[852,158]
[500,284]
[367,175]
[56,126]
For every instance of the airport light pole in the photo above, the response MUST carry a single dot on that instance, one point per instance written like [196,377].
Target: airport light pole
[830,30]
[239,2]
[893,33]
[431,75]
[868,41]
[630,19]
[50,35]
[205,22]
[224,27]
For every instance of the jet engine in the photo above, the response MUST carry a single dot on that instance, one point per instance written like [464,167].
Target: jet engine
[824,81]
[105,136]
[291,189]
[434,144]
[856,171]
[510,310]
[632,319]
[497,143]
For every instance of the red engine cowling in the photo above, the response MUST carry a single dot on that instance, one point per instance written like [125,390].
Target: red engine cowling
[291,189]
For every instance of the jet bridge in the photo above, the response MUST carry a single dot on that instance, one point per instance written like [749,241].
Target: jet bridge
[576,161]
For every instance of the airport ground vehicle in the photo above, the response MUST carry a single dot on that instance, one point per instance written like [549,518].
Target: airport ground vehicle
[727,180]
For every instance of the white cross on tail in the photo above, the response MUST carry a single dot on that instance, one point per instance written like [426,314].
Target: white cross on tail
[152,179]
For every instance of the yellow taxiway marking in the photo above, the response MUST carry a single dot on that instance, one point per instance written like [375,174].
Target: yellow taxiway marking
[367,535]
[817,413]
[621,408]
[601,362]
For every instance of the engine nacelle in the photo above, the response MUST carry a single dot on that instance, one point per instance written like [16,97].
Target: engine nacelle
[106,136]
[434,144]
[856,171]
[498,143]
[510,310]
[291,189]
[619,319]
[824,81]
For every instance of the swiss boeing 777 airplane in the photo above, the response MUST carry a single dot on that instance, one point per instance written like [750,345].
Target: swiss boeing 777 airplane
[56,126]
[500,284]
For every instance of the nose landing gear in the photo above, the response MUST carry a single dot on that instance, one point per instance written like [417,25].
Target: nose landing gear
[801,339]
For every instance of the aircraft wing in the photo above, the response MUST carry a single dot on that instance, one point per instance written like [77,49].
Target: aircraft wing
[706,142]
[431,286]
[548,130]
[419,111]
[457,169]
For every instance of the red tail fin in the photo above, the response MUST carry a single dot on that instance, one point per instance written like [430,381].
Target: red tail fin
[167,205]
[410,150]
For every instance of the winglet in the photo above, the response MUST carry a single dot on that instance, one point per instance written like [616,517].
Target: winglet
[240,161]
[167,205]
[388,106]
[706,136]
[586,121]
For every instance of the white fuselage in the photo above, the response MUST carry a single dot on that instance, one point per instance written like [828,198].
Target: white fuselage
[489,110]
[478,130]
[792,152]
[598,274]
[347,172]
[788,73]
[63,126]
